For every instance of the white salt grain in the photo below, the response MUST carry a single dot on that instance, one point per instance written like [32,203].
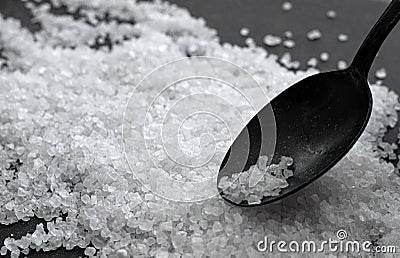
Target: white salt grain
[331,14]
[244,32]
[217,227]
[250,42]
[288,34]
[261,180]
[314,35]
[289,43]
[122,253]
[381,74]
[90,251]
[286,61]
[272,40]
[343,37]
[324,57]
[312,62]
[237,219]
[341,65]
[287,6]
[3,250]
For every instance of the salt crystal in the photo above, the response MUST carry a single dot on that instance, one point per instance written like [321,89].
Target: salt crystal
[178,238]
[3,250]
[331,14]
[244,32]
[203,224]
[250,42]
[288,34]
[166,226]
[122,253]
[312,62]
[341,65]
[85,199]
[314,35]
[90,251]
[262,162]
[286,61]
[215,211]
[324,57]
[287,6]
[259,181]
[148,197]
[272,40]
[95,224]
[343,37]
[289,43]
[381,74]
[237,219]
[15,253]
[217,227]
[20,150]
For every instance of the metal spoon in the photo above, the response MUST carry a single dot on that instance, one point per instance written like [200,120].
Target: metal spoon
[317,120]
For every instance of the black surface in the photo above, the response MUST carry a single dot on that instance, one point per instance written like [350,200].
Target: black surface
[355,18]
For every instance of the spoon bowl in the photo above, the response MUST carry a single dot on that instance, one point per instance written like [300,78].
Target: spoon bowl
[317,120]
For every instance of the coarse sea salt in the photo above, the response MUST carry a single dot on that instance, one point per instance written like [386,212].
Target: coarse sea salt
[343,37]
[272,40]
[244,32]
[312,62]
[314,35]
[72,171]
[341,64]
[287,6]
[259,181]
[331,14]
[324,57]
[381,74]
[289,43]
[288,34]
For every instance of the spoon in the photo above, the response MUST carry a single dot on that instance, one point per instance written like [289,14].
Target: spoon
[317,120]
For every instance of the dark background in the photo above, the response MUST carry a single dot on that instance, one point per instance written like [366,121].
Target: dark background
[354,17]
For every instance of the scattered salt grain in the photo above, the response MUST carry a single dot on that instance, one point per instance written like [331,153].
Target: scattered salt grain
[288,34]
[122,253]
[3,250]
[217,227]
[286,61]
[289,43]
[244,32]
[250,42]
[341,65]
[272,40]
[331,14]
[312,62]
[261,180]
[343,37]
[287,6]
[314,35]
[90,251]
[381,74]
[324,57]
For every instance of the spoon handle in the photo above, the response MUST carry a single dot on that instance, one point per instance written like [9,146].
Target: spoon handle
[365,56]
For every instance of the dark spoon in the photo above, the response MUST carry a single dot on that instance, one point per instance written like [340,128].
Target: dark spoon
[317,120]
